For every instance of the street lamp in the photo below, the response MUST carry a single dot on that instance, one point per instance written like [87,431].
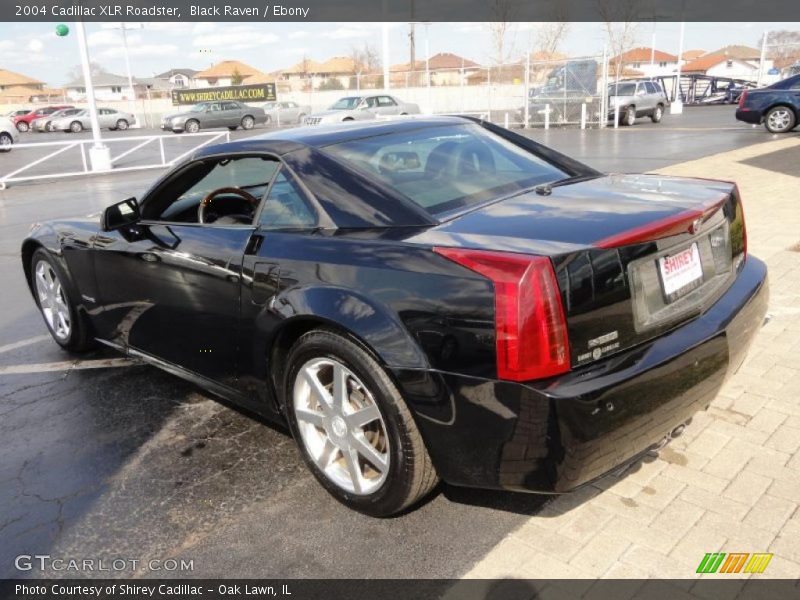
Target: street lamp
[124,28]
[99,154]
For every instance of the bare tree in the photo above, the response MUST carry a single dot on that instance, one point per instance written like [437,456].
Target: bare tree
[619,17]
[783,47]
[370,58]
[502,24]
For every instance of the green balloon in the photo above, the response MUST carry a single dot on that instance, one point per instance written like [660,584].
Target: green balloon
[62,30]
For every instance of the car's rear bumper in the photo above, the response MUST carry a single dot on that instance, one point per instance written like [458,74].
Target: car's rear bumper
[556,436]
[748,116]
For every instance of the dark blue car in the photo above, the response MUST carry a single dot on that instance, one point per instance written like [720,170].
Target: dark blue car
[777,105]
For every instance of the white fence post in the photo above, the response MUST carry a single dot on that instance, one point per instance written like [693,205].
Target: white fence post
[547,116]
[505,121]
[583,115]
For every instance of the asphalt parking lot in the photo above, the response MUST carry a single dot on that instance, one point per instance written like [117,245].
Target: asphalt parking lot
[118,460]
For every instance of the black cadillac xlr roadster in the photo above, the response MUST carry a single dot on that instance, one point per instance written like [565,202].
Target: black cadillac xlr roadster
[421,299]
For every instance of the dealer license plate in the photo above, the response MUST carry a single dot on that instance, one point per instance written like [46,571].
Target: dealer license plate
[680,272]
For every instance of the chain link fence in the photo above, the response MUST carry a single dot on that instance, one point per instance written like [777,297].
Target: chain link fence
[543,93]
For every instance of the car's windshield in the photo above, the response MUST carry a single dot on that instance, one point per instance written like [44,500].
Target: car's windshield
[448,167]
[200,107]
[269,105]
[346,103]
[622,89]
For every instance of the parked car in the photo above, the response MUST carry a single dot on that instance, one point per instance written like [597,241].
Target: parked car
[208,115]
[567,88]
[284,113]
[8,134]
[17,113]
[636,99]
[45,124]
[424,299]
[777,106]
[108,118]
[23,122]
[359,108]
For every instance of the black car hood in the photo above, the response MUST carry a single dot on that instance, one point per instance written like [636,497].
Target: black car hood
[576,215]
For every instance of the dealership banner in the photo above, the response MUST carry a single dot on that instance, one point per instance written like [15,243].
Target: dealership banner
[401,10]
[263,92]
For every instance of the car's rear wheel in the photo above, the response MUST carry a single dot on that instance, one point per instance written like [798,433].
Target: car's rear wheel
[233,127]
[628,117]
[69,328]
[780,119]
[301,117]
[353,428]
[658,114]
[6,141]
[191,126]
[122,124]
[248,122]
[76,127]
[22,126]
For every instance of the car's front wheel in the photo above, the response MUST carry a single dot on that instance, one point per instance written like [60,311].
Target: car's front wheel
[353,428]
[76,127]
[22,127]
[68,327]
[658,114]
[628,117]
[248,122]
[192,126]
[779,119]
[122,125]
[6,141]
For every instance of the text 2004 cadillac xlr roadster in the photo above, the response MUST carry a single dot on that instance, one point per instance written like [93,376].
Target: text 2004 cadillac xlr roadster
[425,299]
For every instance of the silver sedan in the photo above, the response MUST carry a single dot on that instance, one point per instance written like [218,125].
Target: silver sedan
[358,108]
[108,118]
[284,113]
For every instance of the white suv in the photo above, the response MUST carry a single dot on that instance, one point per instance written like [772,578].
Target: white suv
[636,99]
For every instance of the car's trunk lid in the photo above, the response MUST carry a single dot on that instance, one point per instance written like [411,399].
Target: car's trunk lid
[635,255]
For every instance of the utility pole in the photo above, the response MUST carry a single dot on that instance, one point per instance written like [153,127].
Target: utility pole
[763,58]
[99,154]
[676,107]
[124,28]
[412,41]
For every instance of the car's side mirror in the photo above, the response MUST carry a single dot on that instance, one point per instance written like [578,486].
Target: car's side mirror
[120,214]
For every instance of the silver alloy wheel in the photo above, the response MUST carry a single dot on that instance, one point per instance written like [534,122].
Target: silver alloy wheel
[192,127]
[6,141]
[248,122]
[122,124]
[657,114]
[53,300]
[341,426]
[780,119]
[630,116]
[76,127]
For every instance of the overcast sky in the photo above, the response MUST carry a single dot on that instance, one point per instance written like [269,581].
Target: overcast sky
[35,50]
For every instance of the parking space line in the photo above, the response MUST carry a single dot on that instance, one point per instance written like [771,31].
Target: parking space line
[23,343]
[68,365]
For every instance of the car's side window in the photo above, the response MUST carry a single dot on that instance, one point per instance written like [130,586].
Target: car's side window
[385,101]
[372,102]
[177,199]
[213,107]
[286,206]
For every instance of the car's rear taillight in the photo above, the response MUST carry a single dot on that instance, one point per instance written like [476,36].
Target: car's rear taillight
[742,98]
[530,327]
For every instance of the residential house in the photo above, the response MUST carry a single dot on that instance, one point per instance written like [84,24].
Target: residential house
[650,62]
[445,68]
[18,88]
[338,72]
[690,55]
[720,65]
[225,73]
[107,87]
[178,78]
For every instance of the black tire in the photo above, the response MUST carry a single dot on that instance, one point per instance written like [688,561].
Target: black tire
[122,125]
[658,114]
[233,127]
[76,127]
[6,142]
[410,474]
[248,122]
[780,119]
[348,119]
[22,127]
[300,118]
[191,126]
[80,337]
[628,116]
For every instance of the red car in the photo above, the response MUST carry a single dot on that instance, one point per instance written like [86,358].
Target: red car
[23,122]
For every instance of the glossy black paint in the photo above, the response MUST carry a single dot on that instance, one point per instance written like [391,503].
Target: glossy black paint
[221,305]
